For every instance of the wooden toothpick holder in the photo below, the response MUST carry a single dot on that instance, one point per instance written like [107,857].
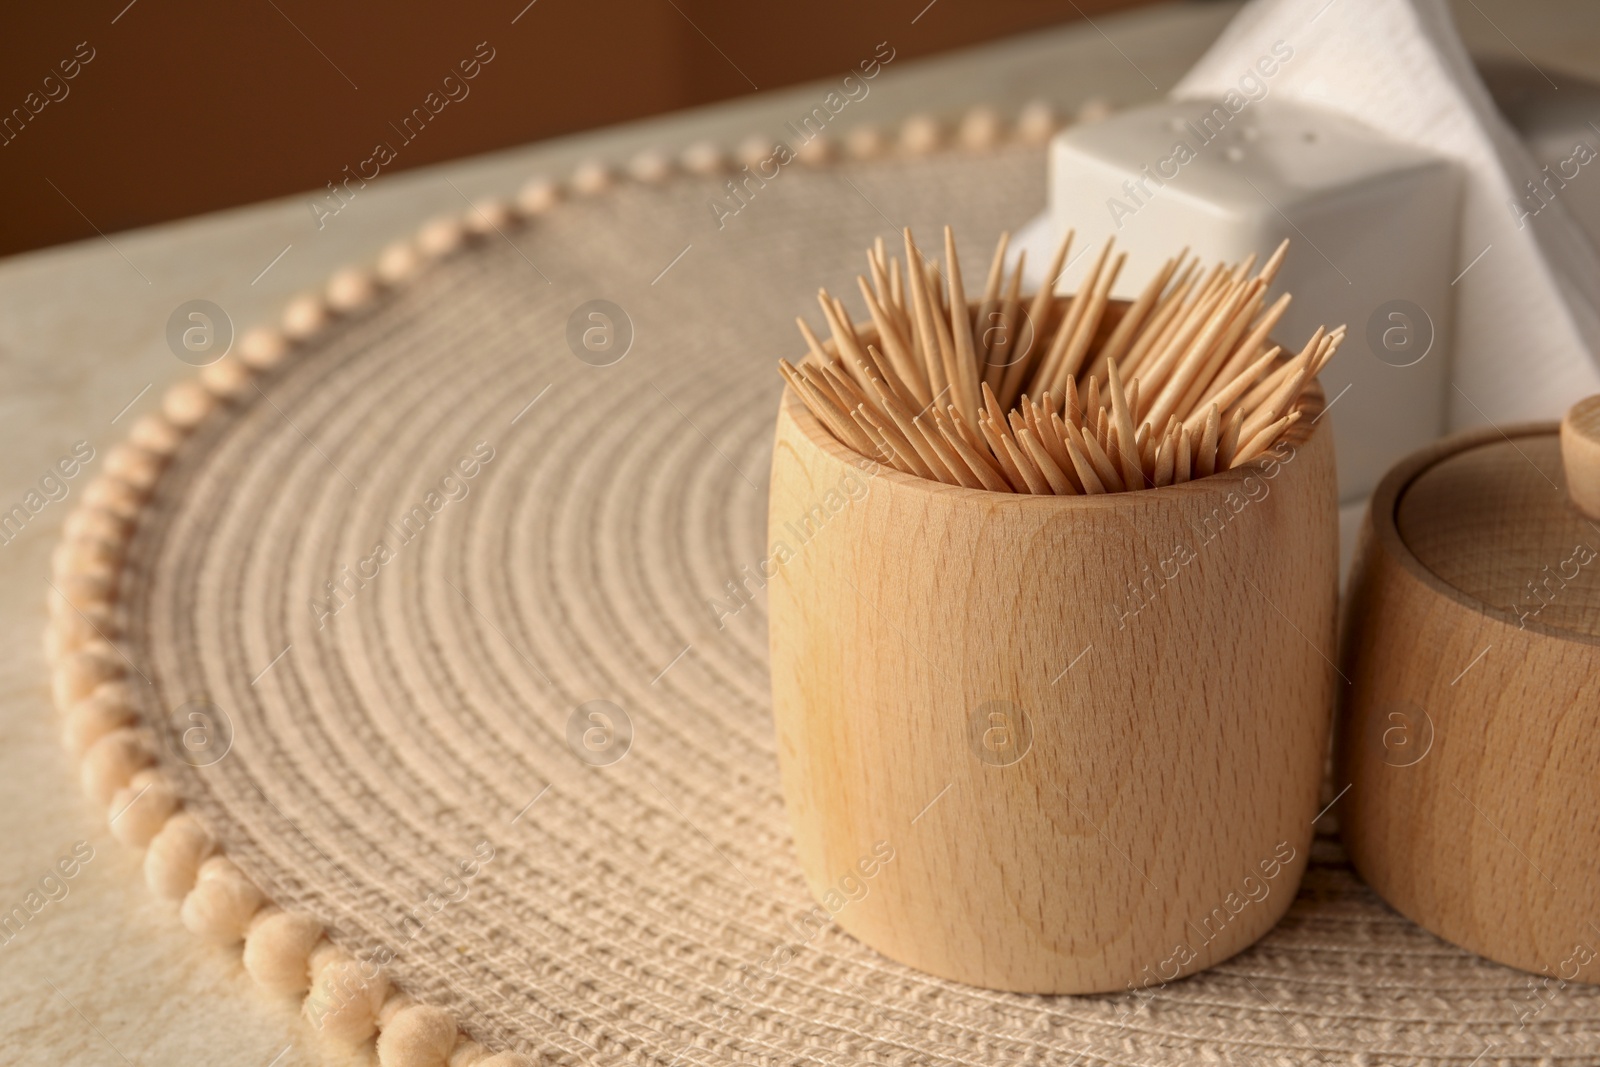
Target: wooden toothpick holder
[1469,735]
[1087,735]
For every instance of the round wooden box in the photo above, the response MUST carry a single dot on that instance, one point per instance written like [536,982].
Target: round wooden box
[1052,744]
[1469,733]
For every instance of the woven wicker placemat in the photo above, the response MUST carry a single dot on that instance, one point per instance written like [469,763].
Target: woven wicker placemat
[397,570]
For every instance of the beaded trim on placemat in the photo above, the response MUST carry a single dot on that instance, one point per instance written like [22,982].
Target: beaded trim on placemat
[288,953]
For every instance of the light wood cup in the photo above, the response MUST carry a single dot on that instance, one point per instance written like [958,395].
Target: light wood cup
[1469,735]
[1580,455]
[1088,735]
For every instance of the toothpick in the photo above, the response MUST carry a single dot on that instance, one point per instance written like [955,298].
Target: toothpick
[1050,437]
[1102,463]
[987,472]
[1258,444]
[905,364]
[996,442]
[817,352]
[1002,336]
[1122,336]
[1269,385]
[1270,271]
[1207,460]
[1038,315]
[1035,479]
[1166,313]
[1247,350]
[1228,444]
[922,316]
[1221,349]
[885,449]
[830,415]
[972,396]
[1273,407]
[1082,303]
[1059,483]
[1058,439]
[1189,366]
[1165,462]
[997,446]
[965,378]
[1233,390]
[1080,463]
[991,295]
[1132,472]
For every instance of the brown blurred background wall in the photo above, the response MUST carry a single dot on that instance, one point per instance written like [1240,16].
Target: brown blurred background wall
[117,114]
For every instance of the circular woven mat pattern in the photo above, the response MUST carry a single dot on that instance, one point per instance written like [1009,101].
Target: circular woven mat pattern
[648,910]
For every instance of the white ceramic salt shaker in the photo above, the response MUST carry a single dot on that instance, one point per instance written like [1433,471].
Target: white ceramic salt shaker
[1372,225]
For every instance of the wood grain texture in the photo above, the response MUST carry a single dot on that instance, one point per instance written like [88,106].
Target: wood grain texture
[1090,729]
[1494,522]
[1470,730]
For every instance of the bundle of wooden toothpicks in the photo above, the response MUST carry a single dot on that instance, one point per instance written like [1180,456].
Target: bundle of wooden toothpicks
[1057,395]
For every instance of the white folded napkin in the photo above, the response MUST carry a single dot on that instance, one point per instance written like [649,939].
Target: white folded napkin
[1527,307]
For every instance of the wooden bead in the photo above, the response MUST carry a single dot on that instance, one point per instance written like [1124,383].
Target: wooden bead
[141,808]
[537,196]
[864,142]
[591,178]
[95,524]
[650,166]
[704,159]
[222,903]
[263,348]
[467,1053]
[399,263]
[1580,455]
[186,403]
[486,217]
[753,151]
[980,128]
[86,555]
[920,135]
[80,671]
[344,1000]
[108,708]
[133,465]
[69,632]
[112,761]
[818,150]
[324,953]
[394,1003]
[155,435]
[1036,122]
[304,316]
[277,951]
[81,593]
[108,494]
[418,1035]
[441,237]
[351,289]
[172,864]
[229,378]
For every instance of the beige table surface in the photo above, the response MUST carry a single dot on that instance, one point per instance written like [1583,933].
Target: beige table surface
[107,975]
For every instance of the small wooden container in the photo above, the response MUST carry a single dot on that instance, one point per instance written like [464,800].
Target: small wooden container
[1469,734]
[1052,744]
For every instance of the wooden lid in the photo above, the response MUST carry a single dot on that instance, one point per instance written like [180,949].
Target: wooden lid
[1495,521]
